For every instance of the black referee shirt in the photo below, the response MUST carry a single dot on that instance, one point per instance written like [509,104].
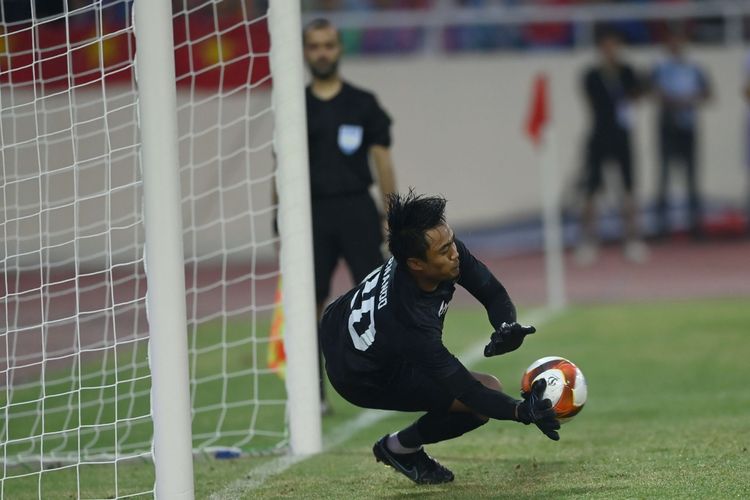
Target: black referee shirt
[388,320]
[608,95]
[340,132]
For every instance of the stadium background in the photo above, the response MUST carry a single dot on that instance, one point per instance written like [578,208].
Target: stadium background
[459,131]
[458,124]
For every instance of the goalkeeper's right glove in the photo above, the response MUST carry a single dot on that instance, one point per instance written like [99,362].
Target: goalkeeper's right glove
[537,410]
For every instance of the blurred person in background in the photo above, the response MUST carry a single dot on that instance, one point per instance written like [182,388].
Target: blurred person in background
[680,87]
[610,88]
[346,130]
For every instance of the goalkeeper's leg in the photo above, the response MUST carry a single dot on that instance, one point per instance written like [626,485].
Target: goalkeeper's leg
[403,450]
[436,426]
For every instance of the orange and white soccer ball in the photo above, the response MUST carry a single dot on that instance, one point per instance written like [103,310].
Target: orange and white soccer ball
[566,386]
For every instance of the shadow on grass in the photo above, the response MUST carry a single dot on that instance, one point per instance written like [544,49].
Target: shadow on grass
[458,490]
[483,477]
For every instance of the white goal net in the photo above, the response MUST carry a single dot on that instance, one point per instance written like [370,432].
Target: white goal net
[75,383]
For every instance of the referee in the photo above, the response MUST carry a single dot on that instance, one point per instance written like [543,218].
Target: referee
[346,129]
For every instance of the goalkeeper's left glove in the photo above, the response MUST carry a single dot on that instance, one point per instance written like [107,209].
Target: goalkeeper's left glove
[536,409]
[508,337]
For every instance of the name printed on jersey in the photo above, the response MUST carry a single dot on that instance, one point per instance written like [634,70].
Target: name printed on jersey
[383,296]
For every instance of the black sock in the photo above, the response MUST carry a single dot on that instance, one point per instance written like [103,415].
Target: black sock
[433,427]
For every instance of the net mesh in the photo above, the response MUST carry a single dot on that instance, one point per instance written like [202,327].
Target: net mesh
[74,368]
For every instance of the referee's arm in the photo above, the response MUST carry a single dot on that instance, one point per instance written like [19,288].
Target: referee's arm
[383,162]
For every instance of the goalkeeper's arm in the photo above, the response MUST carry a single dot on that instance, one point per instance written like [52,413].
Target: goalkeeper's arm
[500,406]
[482,284]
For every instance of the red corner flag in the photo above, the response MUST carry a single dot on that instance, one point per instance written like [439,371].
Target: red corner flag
[538,111]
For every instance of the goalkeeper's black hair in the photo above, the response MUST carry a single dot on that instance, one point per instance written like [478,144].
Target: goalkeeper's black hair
[410,216]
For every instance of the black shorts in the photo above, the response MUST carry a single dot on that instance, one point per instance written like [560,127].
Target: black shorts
[676,143]
[408,389]
[605,147]
[345,226]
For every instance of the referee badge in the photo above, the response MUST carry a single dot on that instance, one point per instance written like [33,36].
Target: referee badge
[350,138]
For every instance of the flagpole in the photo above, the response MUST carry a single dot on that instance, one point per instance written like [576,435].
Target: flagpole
[553,236]
[540,128]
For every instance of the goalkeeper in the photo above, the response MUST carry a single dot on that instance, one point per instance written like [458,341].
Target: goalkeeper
[383,346]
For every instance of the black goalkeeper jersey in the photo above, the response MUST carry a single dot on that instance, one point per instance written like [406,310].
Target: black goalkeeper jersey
[387,320]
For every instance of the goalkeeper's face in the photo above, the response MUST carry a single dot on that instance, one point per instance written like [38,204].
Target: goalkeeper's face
[322,52]
[441,261]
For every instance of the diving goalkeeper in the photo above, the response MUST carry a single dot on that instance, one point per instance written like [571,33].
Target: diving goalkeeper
[382,342]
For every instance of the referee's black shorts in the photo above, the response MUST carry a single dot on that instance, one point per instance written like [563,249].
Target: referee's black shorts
[605,146]
[345,226]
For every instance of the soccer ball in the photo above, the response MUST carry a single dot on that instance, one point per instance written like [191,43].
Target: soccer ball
[566,386]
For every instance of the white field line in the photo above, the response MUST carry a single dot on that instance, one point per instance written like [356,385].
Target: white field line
[257,476]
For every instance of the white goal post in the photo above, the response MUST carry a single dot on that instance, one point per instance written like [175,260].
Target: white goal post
[164,260]
[295,225]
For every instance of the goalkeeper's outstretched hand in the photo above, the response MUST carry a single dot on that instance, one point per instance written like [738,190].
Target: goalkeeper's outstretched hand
[508,337]
[535,409]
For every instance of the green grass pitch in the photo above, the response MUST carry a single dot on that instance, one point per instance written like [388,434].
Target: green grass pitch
[668,415]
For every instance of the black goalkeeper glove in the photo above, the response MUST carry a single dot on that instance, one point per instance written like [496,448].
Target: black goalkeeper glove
[507,338]
[534,409]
